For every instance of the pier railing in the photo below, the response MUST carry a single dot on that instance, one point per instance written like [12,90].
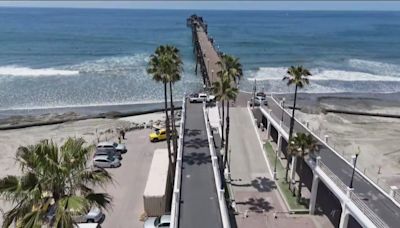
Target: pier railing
[217,175]
[176,197]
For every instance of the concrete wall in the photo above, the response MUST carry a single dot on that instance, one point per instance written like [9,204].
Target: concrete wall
[328,204]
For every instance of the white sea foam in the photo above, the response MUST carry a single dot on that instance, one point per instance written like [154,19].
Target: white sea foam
[110,65]
[114,64]
[375,67]
[277,73]
[13,70]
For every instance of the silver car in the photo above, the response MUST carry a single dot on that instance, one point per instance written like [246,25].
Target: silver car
[119,147]
[95,215]
[104,161]
[155,222]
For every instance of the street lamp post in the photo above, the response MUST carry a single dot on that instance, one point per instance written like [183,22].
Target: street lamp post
[212,74]
[354,168]
[283,107]
[276,159]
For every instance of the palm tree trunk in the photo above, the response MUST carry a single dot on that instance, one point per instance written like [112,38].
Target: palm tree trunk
[291,131]
[222,124]
[227,133]
[292,119]
[167,126]
[174,141]
[301,177]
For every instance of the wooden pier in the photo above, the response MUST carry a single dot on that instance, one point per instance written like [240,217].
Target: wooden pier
[207,57]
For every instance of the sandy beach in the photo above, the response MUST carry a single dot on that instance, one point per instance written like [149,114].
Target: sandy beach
[91,130]
[377,137]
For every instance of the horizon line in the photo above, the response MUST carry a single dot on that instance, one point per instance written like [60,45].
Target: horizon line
[186,9]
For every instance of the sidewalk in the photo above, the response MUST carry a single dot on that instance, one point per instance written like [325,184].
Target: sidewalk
[257,199]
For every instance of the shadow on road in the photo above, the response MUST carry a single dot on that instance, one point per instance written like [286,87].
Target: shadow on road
[196,143]
[196,158]
[193,132]
[263,184]
[258,205]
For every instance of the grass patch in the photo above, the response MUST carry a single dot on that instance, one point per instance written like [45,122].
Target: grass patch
[280,174]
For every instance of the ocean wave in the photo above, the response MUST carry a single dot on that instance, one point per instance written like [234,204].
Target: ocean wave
[277,73]
[114,64]
[375,67]
[32,72]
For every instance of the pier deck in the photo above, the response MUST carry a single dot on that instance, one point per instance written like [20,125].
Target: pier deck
[206,55]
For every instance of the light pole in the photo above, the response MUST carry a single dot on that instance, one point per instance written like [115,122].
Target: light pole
[276,159]
[354,168]
[212,74]
[254,93]
[283,107]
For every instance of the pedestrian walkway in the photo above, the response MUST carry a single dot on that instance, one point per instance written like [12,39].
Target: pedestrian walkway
[255,192]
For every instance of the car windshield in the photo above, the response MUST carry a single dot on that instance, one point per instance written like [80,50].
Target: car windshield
[157,221]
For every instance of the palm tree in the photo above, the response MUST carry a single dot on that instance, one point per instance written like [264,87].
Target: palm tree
[301,145]
[297,76]
[174,77]
[160,67]
[224,91]
[232,69]
[53,179]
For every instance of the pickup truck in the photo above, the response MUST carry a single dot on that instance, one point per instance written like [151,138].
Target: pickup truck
[200,97]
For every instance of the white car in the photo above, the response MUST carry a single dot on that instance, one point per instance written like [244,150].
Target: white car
[158,222]
[104,161]
[117,146]
[95,215]
[87,225]
[200,97]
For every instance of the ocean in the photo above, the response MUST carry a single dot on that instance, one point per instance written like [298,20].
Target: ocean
[90,57]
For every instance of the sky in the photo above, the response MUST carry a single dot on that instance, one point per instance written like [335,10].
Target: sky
[217,5]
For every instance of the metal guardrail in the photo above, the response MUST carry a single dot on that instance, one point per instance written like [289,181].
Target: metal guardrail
[342,186]
[218,182]
[176,197]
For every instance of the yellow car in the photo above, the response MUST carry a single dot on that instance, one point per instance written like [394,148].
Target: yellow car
[158,135]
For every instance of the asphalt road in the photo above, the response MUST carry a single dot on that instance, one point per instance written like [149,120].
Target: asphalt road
[129,181]
[199,201]
[372,197]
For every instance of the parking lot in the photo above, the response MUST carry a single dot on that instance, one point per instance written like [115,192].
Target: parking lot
[130,180]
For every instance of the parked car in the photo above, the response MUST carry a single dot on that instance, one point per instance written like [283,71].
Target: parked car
[200,97]
[87,225]
[104,161]
[109,152]
[118,146]
[155,222]
[158,135]
[260,99]
[95,215]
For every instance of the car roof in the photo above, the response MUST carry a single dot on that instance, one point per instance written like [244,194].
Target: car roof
[165,219]
[105,144]
[101,157]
